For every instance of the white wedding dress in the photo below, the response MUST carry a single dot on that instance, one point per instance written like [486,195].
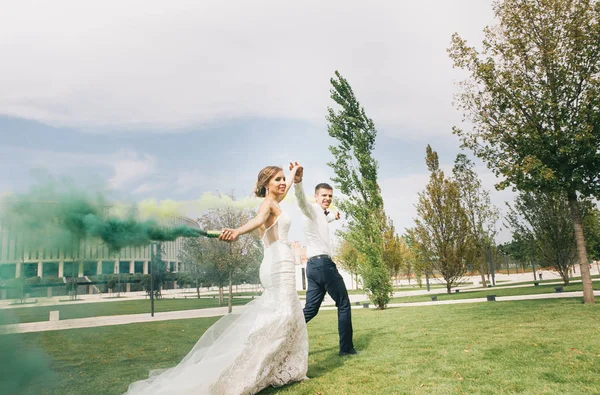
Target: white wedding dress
[266,344]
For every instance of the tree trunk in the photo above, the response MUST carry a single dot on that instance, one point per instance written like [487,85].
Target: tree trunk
[220,295]
[198,289]
[229,308]
[482,270]
[586,279]
[564,274]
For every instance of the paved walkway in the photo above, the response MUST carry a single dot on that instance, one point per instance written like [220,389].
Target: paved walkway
[577,294]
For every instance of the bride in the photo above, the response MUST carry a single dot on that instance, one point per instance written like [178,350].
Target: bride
[266,344]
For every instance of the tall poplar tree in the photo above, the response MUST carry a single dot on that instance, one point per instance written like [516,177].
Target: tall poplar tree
[356,177]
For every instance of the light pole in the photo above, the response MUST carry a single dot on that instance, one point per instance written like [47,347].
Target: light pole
[492,273]
[152,255]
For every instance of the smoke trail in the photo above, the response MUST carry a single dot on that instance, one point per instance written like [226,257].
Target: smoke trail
[52,217]
[22,364]
[151,208]
[195,208]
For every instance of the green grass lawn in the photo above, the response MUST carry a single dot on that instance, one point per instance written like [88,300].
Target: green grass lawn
[82,310]
[541,289]
[529,347]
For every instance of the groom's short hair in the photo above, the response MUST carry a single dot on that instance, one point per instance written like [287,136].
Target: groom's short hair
[323,185]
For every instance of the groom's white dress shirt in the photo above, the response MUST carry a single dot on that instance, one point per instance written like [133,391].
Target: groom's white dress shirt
[316,225]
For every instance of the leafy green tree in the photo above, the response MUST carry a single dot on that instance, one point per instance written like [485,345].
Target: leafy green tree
[520,249]
[417,265]
[533,99]
[441,233]
[481,213]
[111,283]
[591,229]
[545,221]
[350,259]
[158,268]
[393,250]
[356,177]
[408,266]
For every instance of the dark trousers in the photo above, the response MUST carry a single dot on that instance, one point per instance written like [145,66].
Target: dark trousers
[323,276]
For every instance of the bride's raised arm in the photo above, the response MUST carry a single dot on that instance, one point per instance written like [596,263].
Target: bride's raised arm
[264,210]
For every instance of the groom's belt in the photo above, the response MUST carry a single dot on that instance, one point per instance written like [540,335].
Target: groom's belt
[322,256]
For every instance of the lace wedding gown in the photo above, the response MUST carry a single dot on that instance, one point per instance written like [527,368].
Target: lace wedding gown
[266,344]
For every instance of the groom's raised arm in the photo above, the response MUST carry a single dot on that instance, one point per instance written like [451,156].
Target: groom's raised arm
[305,207]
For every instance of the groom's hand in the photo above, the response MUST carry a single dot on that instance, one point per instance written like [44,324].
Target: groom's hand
[299,171]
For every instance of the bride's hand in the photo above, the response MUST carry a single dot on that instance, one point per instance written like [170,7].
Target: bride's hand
[229,235]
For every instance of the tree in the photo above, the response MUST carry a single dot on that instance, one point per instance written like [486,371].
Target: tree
[533,100]
[481,214]
[356,177]
[416,265]
[395,251]
[521,248]
[158,268]
[191,257]
[350,259]
[441,232]
[225,261]
[408,268]
[111,283]
[545,221]
[591,230]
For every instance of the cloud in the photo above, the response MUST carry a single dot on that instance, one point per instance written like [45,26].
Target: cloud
[149,187]
[130,167]
[188,180]
[167,65]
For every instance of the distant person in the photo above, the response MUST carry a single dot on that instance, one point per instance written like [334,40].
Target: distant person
[540,274]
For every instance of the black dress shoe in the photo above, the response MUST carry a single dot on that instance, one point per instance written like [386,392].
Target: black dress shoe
[349,352]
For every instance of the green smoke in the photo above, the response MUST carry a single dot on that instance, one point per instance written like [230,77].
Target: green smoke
[61,217]
[118,233]
[22,364]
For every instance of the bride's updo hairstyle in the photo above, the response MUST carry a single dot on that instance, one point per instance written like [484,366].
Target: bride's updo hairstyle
[264,176]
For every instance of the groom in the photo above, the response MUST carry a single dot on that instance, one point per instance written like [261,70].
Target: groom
[321,272]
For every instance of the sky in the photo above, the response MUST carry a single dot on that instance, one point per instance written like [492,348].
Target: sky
[149,100]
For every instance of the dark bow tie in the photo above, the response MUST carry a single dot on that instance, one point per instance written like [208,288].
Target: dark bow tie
[326,212]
